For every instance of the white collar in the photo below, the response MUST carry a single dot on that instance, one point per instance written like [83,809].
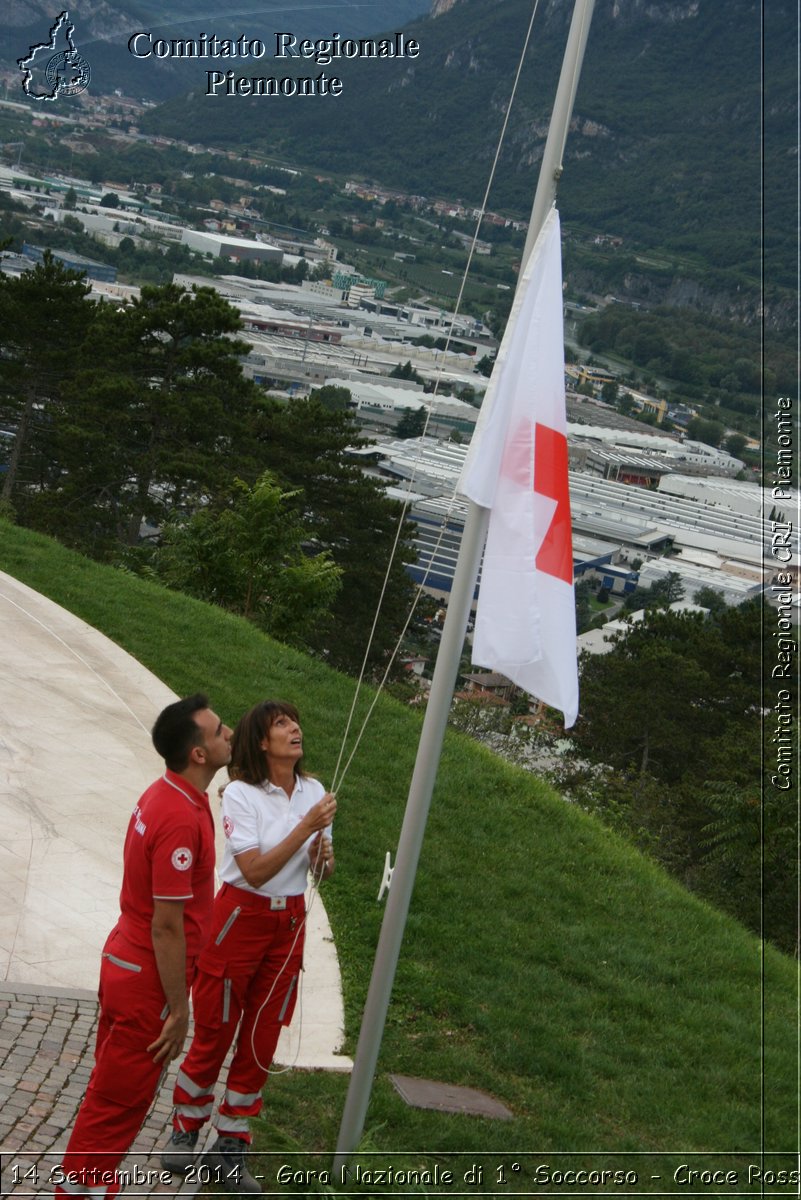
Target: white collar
[178,788]
[269,786]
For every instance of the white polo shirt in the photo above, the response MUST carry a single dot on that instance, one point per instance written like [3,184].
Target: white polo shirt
[258,817]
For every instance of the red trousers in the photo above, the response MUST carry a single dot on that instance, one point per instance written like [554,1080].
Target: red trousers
[125,1078]
[249,972]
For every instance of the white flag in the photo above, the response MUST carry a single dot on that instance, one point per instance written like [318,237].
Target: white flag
[517,467]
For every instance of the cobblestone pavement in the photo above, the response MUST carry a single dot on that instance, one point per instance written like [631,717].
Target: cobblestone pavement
[47,1038]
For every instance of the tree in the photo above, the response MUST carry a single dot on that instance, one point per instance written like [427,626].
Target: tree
[110,200]
[635,704]
[583,593]
[406,371]
[665,591]
[44,319]
[247,556]
[155,422]
[748,862]
[86,503]
[412,423]
[668,750]
[185,413]
[735,443]
[701,430]
[711,599]
[70,199]
[306,447]
[335,399]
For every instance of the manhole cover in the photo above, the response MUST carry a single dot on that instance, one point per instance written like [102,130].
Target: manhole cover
[447,1097]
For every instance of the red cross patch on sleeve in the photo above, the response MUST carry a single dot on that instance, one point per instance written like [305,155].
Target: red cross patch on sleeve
[181,858]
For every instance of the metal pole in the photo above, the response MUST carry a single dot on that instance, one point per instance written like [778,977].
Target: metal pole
[551,169]
[445,672]
[411,836]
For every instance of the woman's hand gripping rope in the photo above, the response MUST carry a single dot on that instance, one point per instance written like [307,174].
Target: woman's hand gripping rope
[321,851]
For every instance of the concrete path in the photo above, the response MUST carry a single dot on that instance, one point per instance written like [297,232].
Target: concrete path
[75,754]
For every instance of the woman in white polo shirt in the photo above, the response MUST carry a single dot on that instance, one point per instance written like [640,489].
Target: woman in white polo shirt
[277,825]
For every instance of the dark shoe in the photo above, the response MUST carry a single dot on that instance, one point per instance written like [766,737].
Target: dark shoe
[180,1154]
[227,1161]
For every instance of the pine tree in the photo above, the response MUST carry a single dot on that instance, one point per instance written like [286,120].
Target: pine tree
[186,415]
[306,447]
[44,319]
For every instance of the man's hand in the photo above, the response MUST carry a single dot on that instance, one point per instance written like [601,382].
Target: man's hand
[170,1042]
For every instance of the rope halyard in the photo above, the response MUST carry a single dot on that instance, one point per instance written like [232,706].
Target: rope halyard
[337,777]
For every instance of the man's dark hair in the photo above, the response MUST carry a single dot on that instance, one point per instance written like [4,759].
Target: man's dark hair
[175,732]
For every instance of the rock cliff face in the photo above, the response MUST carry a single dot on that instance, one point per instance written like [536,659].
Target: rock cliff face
[745,304]
[93,18]
[101,34]
[665,13]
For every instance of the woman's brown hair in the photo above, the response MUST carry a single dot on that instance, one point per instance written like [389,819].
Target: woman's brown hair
[248,760]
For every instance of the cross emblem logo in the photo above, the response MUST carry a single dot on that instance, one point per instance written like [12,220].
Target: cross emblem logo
[182,859]
[555,555]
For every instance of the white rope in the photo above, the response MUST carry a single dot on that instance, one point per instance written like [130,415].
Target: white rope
[337,777]
[314,890]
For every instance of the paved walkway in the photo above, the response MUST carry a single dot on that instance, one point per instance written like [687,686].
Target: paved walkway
[75,754]
[46,1054]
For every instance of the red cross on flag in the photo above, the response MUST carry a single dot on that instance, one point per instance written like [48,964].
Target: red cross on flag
[517,467]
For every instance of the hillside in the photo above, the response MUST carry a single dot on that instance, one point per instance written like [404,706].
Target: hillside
[544,959]
[666,148]
[103,27]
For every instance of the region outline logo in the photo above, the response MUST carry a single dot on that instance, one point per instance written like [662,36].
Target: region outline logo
[66,72]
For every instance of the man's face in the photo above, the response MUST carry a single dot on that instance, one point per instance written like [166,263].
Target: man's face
[216,738]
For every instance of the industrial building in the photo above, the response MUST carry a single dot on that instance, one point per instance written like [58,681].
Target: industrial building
[223,245]
[686,457]
[622,535]
[370,345]
[380,403]
[75,262]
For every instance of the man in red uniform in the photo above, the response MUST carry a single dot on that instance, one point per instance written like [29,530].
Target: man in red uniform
[149,957]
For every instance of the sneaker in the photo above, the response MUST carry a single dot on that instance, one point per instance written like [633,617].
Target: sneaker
[180,1154]
[227,1160]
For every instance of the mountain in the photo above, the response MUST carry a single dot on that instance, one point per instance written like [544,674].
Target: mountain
[103,29]
[666,147]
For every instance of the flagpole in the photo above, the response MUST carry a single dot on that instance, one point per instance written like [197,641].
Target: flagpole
[447,665]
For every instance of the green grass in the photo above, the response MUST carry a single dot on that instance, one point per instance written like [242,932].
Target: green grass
[597,606]
[545,960]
